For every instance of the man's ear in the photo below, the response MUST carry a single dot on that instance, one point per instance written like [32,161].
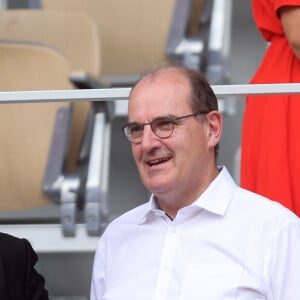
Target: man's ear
[214,127]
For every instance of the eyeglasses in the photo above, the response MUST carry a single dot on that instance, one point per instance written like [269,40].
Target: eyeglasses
[162,127]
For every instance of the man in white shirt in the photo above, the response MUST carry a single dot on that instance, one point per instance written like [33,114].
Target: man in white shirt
[200,236]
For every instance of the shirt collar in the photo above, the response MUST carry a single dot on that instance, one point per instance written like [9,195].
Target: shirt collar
[214,199]
[217,196]
[151,209]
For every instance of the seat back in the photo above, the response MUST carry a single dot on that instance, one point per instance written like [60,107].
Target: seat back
[73,34]
[26,129]
[133,33]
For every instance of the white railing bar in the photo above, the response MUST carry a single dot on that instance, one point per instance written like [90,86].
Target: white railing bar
[65,95]
[112,94]
[48,238]
[257,89]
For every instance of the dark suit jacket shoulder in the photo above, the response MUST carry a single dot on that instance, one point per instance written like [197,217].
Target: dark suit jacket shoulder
[18,278]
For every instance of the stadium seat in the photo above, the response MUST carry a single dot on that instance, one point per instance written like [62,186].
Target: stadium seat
[26,129]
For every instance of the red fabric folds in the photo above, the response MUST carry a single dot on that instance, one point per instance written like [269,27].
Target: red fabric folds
[270,160]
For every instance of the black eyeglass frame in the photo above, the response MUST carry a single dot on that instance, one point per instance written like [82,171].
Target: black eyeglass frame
[171,120]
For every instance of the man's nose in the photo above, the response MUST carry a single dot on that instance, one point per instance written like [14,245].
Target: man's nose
[149,139]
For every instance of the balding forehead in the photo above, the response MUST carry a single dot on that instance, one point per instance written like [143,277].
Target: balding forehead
[170,75]
[163,84]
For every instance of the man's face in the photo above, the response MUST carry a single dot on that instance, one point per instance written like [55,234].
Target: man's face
[180,162]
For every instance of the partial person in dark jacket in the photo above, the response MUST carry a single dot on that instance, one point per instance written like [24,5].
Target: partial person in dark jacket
[19,280]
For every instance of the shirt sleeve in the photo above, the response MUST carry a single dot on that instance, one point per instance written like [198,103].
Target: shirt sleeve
[285,263]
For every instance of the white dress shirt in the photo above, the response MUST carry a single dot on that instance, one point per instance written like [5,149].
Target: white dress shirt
[229,244]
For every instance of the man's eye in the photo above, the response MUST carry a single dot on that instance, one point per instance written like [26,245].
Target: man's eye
[164,124]
[135,128]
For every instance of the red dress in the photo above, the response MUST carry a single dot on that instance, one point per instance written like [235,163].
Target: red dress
[270,159]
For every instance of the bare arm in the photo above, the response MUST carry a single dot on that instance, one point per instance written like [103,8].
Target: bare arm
[290,18]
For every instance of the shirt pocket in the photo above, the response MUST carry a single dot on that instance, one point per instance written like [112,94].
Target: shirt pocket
[210,281]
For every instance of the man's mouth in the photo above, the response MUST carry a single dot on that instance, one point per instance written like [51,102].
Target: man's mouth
[158,161]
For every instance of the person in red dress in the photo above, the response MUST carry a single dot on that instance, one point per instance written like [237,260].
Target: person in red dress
[270,148]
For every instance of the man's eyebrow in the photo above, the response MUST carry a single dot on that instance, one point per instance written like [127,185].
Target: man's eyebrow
[157,117]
